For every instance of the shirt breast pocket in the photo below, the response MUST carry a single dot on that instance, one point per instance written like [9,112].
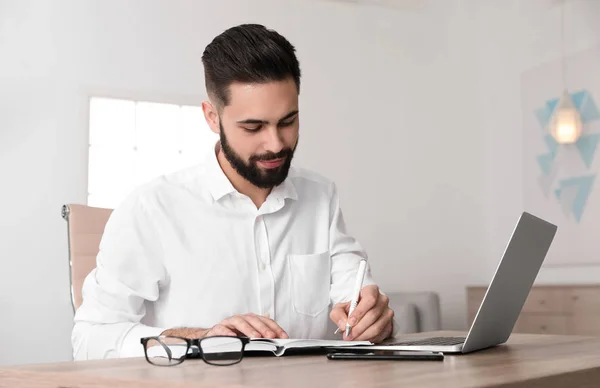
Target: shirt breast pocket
[310,275]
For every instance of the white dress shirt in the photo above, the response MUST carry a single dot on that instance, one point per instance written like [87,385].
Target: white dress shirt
[188,250]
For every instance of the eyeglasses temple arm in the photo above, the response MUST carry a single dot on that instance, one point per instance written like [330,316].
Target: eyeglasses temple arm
[167,349]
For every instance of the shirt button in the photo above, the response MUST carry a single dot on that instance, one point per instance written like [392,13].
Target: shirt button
[262,266]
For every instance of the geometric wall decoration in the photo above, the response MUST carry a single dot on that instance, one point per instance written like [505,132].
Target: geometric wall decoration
[572,192]
[587,146]
[560,182]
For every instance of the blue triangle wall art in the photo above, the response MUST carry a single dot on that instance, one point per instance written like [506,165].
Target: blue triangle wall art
[580,189]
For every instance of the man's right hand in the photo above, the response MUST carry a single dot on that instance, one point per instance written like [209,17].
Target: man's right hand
[250,325]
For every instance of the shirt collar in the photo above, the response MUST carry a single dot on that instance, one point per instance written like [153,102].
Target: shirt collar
[218,183]
[285,190]
[220,186]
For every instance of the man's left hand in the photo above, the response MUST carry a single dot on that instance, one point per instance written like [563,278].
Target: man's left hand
[371,320]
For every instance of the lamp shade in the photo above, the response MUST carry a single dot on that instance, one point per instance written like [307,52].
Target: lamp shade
[565,126]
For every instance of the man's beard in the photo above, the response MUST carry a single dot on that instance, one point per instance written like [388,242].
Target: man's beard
[263,178]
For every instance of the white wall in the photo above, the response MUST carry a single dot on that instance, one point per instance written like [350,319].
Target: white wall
[385,112]
[513,37]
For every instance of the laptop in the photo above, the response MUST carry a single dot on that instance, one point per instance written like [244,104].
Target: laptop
[504,298]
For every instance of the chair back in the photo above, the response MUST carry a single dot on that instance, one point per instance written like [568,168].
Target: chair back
[85,226]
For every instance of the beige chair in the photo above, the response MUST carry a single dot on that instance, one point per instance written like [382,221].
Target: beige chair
[417,311]
[85,226]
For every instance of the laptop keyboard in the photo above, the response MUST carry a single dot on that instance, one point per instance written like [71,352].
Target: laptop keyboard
[433,341]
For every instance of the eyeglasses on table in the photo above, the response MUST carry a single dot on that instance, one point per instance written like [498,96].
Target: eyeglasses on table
[171,350]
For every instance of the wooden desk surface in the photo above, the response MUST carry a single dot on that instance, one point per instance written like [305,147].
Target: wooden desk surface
[527,360]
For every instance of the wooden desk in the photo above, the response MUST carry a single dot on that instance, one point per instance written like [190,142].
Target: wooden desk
[527,360]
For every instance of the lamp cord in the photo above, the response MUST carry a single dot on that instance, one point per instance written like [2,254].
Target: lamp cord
[562,45]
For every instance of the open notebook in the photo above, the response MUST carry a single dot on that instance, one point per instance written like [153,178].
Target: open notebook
[277,347]
[280,346]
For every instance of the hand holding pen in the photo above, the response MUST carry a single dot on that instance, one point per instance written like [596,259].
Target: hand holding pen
[367,317]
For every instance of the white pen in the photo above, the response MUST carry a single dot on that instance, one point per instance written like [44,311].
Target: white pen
[360,275]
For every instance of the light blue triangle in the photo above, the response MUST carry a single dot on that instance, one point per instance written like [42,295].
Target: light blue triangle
[552,144]
[543,116]
[578,98]
[567,198]
[589,111]
[557,193]
[551,104]
[545,162]
[587,145]
[584,184]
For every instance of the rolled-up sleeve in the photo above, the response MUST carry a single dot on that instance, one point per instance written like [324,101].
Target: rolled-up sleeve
[128,274]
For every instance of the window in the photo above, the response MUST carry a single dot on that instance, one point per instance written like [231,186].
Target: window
[132,142]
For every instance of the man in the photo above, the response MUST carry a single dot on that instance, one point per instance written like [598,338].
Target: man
[242,244]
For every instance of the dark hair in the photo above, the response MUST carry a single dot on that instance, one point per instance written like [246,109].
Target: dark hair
[248,53]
